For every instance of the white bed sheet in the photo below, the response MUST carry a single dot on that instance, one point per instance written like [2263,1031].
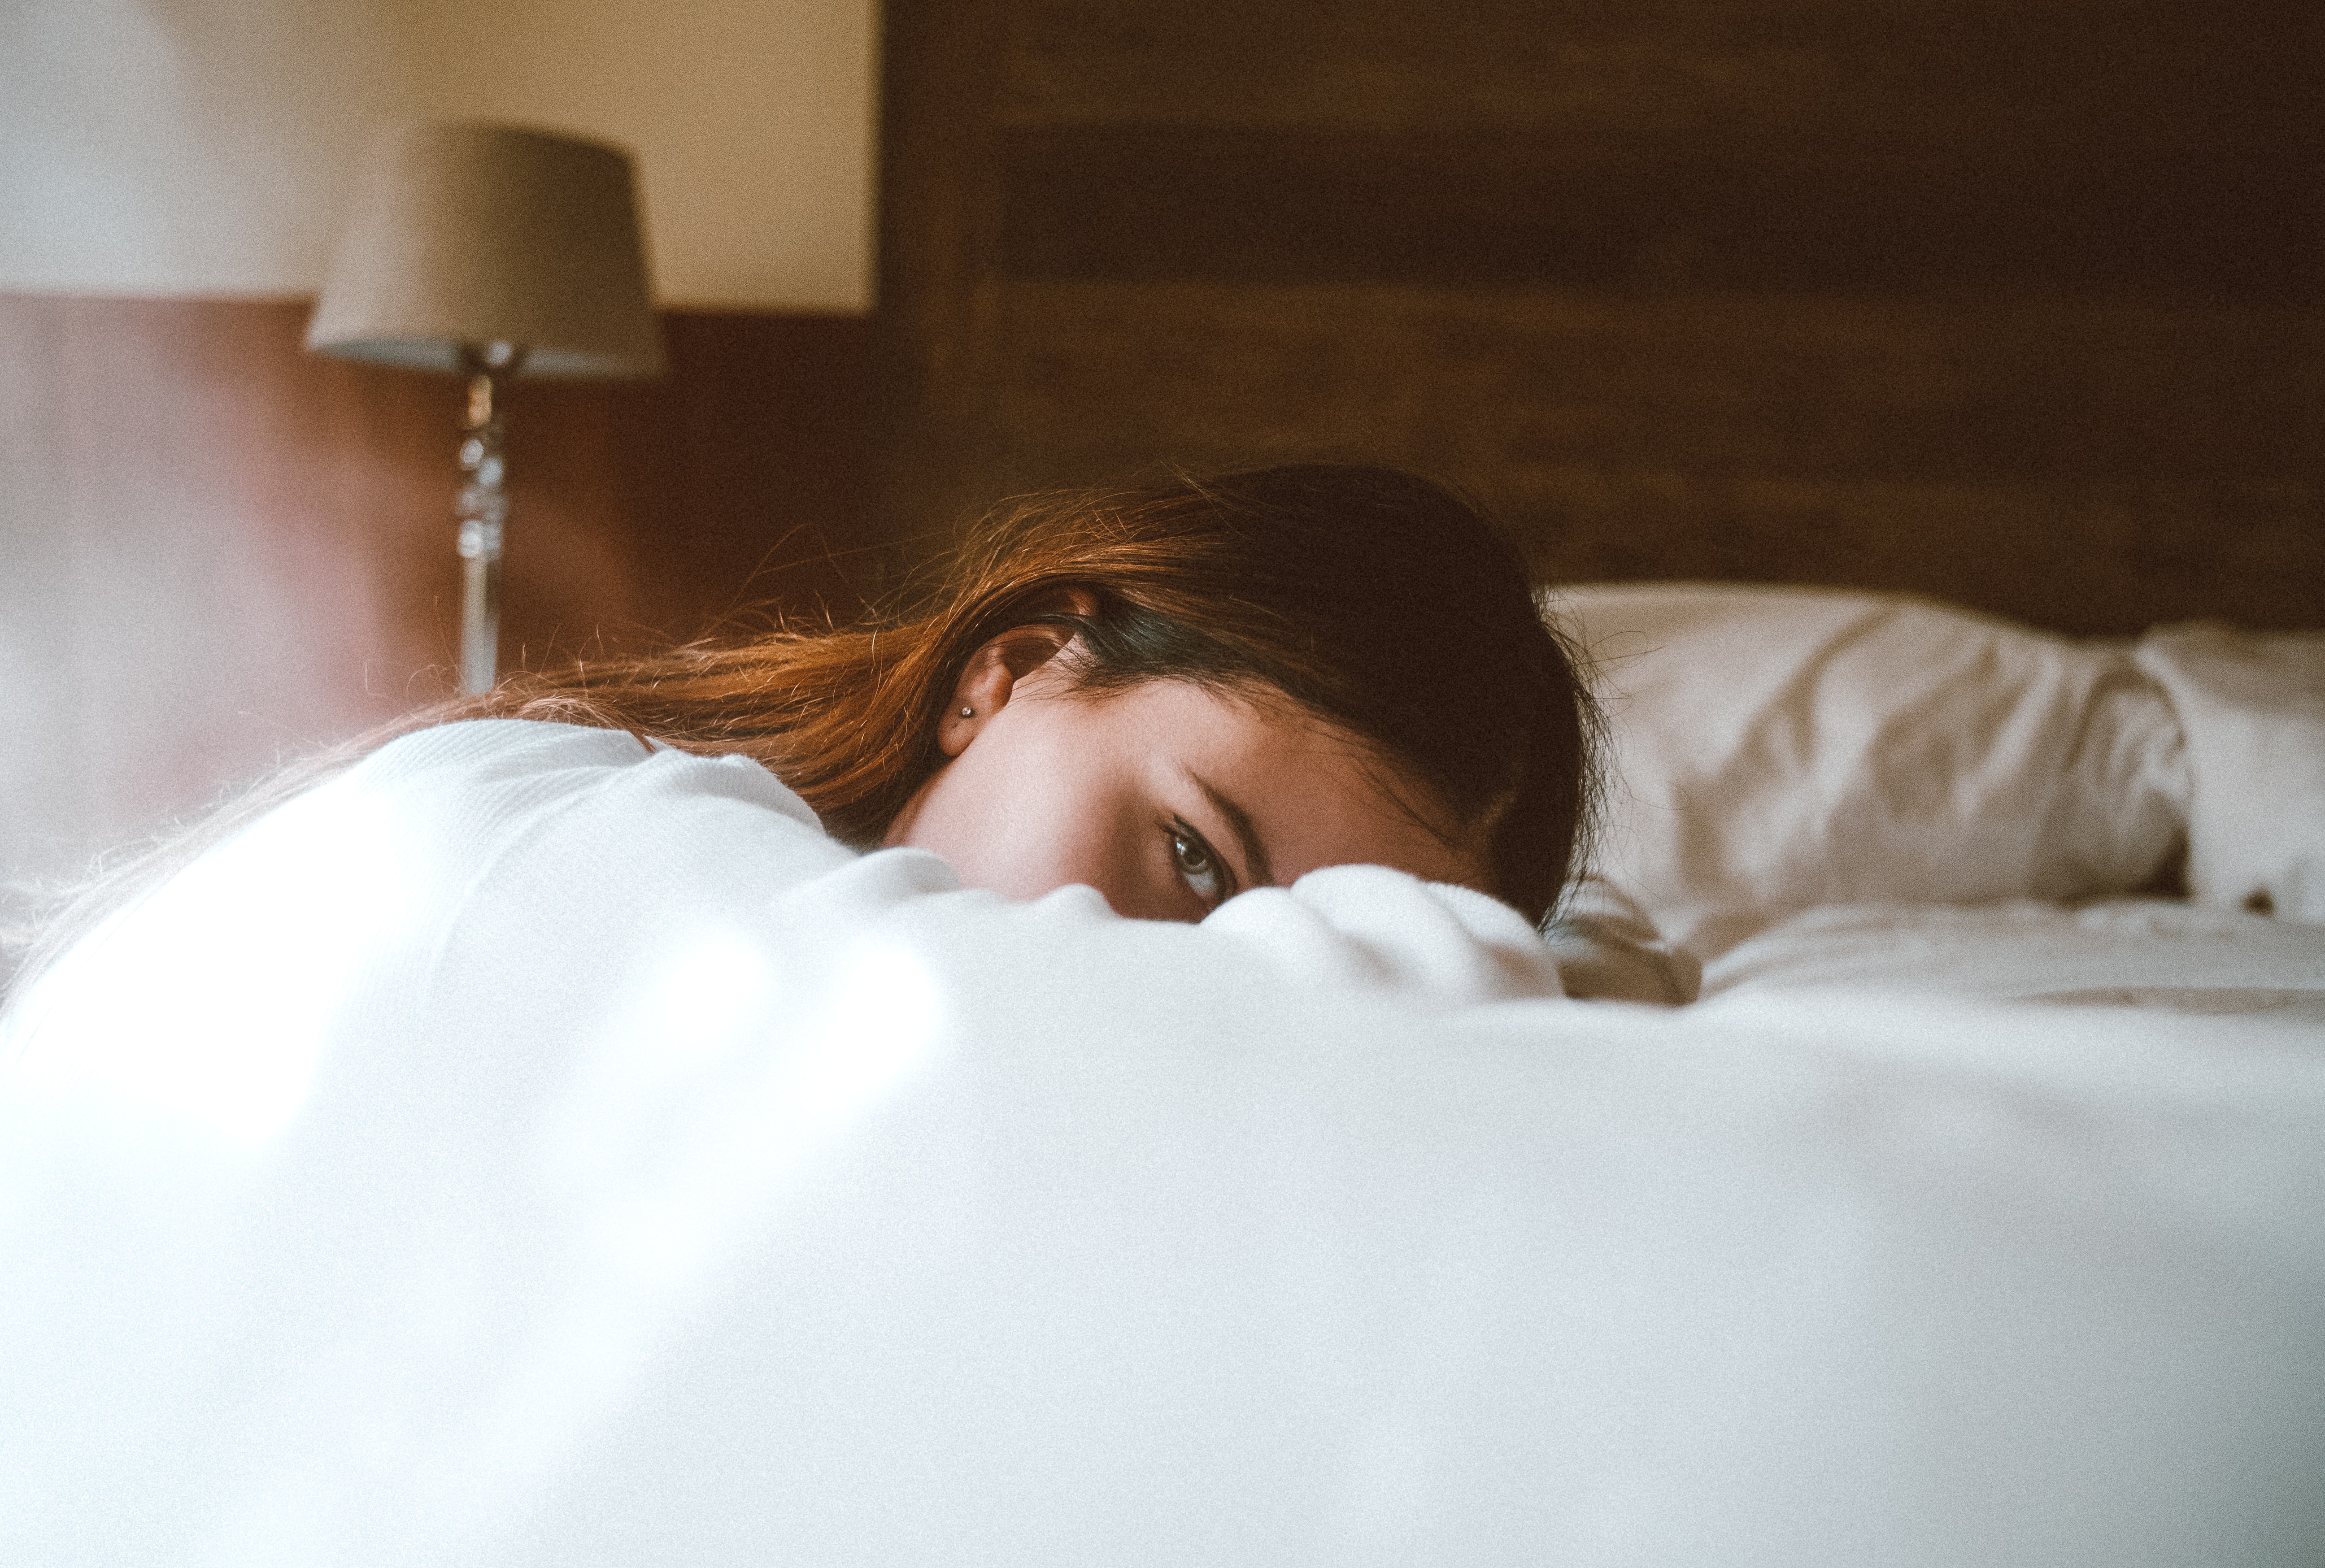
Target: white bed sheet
[2130,951]
[800,1207]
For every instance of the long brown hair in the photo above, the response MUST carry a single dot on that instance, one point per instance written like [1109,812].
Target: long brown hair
[1379,603]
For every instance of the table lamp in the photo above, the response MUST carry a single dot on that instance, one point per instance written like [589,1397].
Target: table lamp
[488,251]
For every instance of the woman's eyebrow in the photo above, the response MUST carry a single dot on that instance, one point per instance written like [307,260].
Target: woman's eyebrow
[1254,853]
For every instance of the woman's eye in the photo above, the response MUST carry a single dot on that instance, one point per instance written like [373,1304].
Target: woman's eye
[1198,865]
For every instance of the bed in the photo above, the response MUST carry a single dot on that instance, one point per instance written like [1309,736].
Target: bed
[1815,787]
[1926,1165]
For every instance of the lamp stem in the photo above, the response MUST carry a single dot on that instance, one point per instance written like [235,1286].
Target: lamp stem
[483,512]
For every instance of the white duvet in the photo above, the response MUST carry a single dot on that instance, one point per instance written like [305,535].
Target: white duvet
[529,1151]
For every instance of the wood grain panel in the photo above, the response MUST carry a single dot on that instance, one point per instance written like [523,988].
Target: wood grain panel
[2091,466]
[735,491]
[2017,303]
[939,349]
[1919,389]
[1905,75]
[1488,207]
[1691,143]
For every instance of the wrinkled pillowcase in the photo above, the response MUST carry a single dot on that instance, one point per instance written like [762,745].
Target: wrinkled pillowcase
[2252,707]
[1775,748]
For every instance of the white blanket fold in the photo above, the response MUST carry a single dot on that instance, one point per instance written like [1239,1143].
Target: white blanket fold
[564,1155]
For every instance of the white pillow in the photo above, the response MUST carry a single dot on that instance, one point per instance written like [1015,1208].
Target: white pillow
[1775,748]
[2253,705]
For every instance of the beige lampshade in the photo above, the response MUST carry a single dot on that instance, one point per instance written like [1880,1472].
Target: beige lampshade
[463,234]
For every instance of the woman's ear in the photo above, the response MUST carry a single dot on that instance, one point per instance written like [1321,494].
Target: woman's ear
[990,679]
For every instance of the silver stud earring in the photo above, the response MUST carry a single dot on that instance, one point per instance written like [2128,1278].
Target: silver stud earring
[968,713]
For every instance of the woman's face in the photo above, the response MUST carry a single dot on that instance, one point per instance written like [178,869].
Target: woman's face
[1166,797]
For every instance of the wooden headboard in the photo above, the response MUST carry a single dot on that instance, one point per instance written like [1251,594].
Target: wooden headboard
[2016,302]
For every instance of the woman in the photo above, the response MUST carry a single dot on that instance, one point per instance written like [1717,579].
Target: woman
[1355,642]
[1170,695]
[380,1179]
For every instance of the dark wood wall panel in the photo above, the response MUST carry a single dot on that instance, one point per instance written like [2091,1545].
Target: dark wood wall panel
[1378,207]
[734,493]
[1933,71]
[2022,304]
[2000,455]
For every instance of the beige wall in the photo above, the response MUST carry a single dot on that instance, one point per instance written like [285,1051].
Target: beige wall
[195,147]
